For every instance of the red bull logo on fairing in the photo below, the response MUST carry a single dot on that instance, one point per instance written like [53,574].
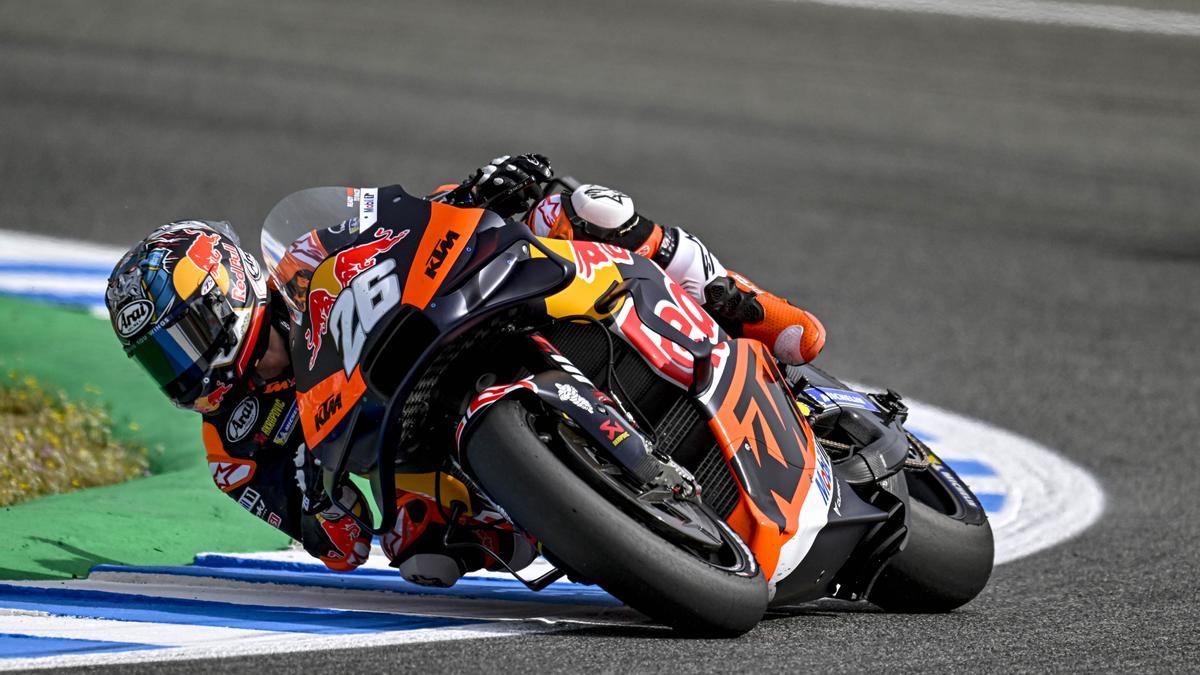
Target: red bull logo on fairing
[332,277]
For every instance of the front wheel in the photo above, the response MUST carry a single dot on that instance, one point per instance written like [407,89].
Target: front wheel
[603,543]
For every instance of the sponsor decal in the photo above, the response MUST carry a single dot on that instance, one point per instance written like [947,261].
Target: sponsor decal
[252,267]
[616,432]
[230,475]
[599,192]
[351,197]
[569,394]
[331,278]
[237,290]
[441,251]
[207,404]
[278,386]
[271,419]
[274,520]
[591,256]
[829,398]
[367,213]
[952,480]
[203,250]
[289,423]
[823,476]
[327,408]
[683,313]
[242,420]
[133,317]
[249,499]
[548,212]
[200,267]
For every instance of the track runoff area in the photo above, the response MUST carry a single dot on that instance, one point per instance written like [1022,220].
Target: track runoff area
[283,601]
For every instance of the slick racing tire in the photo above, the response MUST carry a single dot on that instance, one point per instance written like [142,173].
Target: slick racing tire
[945,564]
[599,541]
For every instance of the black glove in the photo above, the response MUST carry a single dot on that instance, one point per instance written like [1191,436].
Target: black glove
[510,185]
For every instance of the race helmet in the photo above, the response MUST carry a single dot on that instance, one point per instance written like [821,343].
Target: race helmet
[189,305]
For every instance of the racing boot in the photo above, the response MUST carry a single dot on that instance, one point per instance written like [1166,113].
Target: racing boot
[794,335]
[416,545]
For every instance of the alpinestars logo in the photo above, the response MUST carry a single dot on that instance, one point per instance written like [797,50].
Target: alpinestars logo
[598,192]
[440,251]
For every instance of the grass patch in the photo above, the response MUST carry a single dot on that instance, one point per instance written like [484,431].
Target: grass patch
[50,444]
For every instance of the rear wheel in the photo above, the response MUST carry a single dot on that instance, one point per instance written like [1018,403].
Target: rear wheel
[602,542]
[946,562]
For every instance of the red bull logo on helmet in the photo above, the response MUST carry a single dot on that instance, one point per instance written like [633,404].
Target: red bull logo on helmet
[332,277]
[202,259]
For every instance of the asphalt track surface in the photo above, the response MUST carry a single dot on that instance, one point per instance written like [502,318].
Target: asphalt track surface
[1001,219]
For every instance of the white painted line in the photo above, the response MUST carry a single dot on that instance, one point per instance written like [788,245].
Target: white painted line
[54,285]
[164,634]
[1043,12]
[1048,499]
[284,595]
[275,644]
[25,247]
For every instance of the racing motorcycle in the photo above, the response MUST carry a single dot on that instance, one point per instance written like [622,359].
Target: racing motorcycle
[583,395]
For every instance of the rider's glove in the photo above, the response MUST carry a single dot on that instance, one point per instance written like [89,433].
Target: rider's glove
[510,185]
[335,537]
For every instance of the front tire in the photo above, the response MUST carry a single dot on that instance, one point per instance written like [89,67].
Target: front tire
[599,541]
[944,565]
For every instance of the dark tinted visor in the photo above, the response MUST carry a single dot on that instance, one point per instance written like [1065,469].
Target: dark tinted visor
[179,351]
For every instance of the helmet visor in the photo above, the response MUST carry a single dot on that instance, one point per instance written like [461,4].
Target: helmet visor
[179,352]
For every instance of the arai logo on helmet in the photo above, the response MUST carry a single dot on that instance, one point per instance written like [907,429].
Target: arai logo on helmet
[133,317]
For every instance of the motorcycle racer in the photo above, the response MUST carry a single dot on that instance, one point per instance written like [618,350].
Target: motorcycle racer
[513,187]
[197,313]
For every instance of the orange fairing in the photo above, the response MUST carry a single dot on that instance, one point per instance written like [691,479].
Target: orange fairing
[443,241]
[324,406]
[770,448]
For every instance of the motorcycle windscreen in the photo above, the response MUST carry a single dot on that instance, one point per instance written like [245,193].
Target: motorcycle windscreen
[291,248]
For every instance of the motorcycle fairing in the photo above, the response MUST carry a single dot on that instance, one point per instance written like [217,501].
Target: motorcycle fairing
[400,261]
[784,477]
[658,318]
[784,501]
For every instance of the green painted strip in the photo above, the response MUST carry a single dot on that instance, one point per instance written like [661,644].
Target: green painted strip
[162,520]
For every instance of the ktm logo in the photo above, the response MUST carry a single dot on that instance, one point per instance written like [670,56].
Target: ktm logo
[327,409]
[440,251]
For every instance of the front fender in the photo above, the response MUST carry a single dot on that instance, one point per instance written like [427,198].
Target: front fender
[574,397]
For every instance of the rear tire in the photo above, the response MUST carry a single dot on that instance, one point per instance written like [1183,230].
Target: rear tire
[944,565]
[596,539]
